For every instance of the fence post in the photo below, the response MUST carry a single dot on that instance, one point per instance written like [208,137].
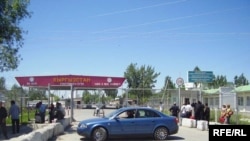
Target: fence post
[215,114]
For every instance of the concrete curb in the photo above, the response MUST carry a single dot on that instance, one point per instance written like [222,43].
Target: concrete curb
[191,123]
[44,132]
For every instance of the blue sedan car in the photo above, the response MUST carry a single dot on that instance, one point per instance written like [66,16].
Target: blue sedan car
[129,122]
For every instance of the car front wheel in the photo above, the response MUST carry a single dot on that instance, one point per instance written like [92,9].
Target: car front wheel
[99,134]
[161,133]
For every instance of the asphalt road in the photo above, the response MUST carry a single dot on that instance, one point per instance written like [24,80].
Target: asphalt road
[184,134]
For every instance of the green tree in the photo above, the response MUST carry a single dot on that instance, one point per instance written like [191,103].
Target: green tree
[141,81]
[56,98]
[35,94]
[168,84]
[3,91]
[111,93]
[86,97]
[218,81]
[240,80]
[196,69]
[15,93]
[2,83]
[12,12]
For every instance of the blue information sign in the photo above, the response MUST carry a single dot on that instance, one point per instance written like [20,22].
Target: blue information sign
[200,76]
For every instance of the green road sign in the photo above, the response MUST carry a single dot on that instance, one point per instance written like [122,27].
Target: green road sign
[200,76]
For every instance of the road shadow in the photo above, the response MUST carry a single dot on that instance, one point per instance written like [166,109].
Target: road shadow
[139,139]
[24,129]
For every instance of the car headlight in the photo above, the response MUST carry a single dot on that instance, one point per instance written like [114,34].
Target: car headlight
[83,126]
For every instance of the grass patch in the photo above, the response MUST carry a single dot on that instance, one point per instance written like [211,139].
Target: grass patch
[25,116]
[236,119]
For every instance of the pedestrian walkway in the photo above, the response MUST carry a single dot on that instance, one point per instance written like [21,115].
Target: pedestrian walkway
[24,129]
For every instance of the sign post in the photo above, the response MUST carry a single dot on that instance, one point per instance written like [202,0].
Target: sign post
[179,82]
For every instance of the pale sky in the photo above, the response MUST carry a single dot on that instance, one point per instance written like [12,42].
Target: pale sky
[102,37]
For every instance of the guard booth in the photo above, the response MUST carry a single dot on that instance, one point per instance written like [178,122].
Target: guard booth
[71,83]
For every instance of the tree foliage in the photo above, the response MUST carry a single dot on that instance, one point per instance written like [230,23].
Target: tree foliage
[86,97]
[140,81]
[15,93]
[2,83]
[169,84]
[55,97]
[35,94]
[196,69]
[111,93]
[218,81]
[12,12]
[240,80]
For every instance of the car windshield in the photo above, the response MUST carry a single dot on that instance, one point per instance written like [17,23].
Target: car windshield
[112,113]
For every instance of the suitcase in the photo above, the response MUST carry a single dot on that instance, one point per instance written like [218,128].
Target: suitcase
[37,118]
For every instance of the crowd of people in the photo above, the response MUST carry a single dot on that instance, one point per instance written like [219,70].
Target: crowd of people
[13,113]
[200,111]
[197,111]
[55,112]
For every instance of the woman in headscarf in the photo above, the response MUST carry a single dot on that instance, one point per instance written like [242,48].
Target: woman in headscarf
[222,118]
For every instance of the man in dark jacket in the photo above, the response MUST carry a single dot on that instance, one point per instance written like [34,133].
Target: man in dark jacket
[207,114]
[174,110]
[14,112]
[3,115]
[199,111]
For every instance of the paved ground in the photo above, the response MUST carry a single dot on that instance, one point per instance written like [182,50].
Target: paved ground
[184,134]
[24,129]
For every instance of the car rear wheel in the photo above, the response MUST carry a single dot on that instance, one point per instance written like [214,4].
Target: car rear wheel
[99,134]
[161,133]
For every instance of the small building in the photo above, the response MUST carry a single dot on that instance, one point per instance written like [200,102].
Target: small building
[237,97]
[214,97]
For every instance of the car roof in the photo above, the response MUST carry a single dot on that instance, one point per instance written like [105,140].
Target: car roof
[141,108]
[136,107]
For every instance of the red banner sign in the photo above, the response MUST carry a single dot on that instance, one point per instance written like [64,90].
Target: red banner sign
[74,80]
